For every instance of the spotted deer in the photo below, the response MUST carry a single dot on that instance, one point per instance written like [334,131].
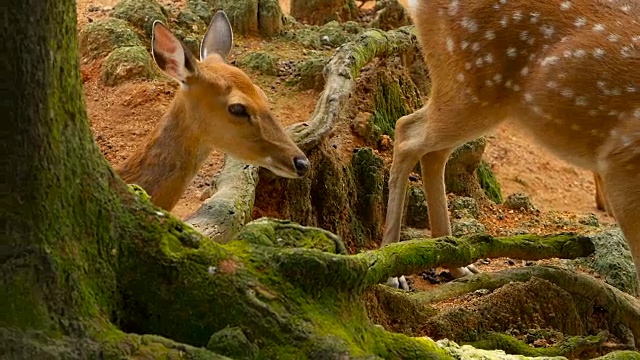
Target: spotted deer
[567,71]
[217,106]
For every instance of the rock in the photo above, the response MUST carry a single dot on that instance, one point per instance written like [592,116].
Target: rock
[417,214]
[319,12]
[332,34]
[460,177]
[270,18]
[99,38]
[488,182]
[467,226]
[263,62]
[465,207]
[612,259]
[519,201]
[140,13]
[311,73]
[385,142]
[390,14]
[127,63]
[589,220]
[232,342]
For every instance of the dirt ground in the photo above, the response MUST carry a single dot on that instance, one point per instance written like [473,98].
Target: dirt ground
[121,117]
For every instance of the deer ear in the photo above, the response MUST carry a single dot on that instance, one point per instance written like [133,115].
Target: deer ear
[170,54]
[219,37]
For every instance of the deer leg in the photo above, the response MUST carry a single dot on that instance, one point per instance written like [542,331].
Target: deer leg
[406,154]
[429,135]
[621,183]
[601,199]
[433,165]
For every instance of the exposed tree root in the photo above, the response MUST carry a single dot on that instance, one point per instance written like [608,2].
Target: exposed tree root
[572,347]
[222,215]
[560,298]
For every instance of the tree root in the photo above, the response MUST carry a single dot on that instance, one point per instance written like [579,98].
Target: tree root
[618,312]
[571,347]
[223,214]
[411,257]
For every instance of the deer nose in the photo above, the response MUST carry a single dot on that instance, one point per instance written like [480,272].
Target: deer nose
[302,165]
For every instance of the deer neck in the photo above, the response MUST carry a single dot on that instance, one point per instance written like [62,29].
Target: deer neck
[165,165]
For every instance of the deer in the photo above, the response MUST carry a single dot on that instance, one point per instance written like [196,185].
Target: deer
[216,107]
[567,71]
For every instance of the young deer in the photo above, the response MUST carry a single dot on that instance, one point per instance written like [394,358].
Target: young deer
[217,106]
[567,71]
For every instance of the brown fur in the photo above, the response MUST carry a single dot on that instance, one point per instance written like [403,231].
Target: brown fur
[549,67]
[198,120]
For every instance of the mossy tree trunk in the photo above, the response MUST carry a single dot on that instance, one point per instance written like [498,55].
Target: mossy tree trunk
[86,259]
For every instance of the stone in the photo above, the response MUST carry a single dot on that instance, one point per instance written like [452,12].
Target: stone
[417,214]
[99,38]
[140,13]
[127,63]
[519,201]
[261,61]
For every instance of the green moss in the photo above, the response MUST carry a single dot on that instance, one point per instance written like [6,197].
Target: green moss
[140,13]
[311,76]
[261,61]
[394,97]
[571,346]
[488,182]
[232,342]
[127,63]
[329,35]
[368,169]
[99,38]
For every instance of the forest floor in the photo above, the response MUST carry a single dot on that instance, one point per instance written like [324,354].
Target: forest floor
[122,116]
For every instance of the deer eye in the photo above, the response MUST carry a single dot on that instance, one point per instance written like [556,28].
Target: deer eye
[238,110]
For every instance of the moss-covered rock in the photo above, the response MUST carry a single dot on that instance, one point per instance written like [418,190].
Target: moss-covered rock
[232,342]
[311,73]
[330,35]
[488,182]
[140,13]
[467,226]
[319,12]
[99,38]
[417,214]
[261,61]
[127,63]
[612,259]
[465,207]
[519,201]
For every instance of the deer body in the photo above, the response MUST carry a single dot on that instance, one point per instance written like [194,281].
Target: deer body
[567,71]
[217,106]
